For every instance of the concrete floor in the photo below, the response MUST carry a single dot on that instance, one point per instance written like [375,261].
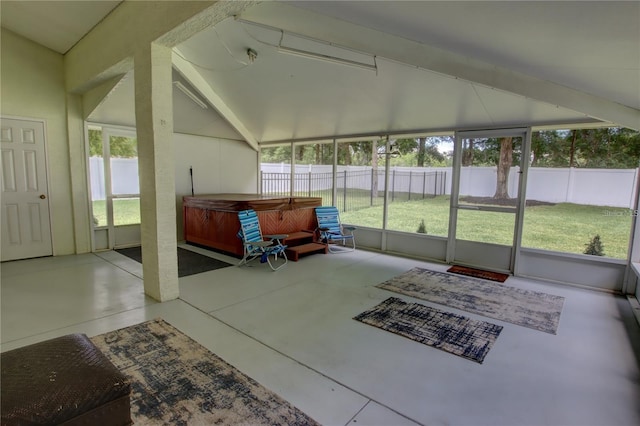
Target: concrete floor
[292,331]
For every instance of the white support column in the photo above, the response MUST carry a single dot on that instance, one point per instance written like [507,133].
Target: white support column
[78,169]
[154,123]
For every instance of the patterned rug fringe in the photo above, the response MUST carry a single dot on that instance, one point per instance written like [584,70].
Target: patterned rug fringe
[175,380]
[532,309]
[462,336]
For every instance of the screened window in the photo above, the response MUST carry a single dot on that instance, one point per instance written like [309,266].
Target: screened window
[419,183]
[360,181]
[275,170]
[580,191]
[313,177]
[113,166]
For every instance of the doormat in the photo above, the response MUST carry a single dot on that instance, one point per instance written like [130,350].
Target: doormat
[177,381]
[189,262]
[447,331]
[478,273]
[533,309]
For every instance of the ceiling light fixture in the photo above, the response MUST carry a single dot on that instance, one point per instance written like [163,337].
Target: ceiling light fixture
[184,89]
[308,54]
[252,54]
[327,58]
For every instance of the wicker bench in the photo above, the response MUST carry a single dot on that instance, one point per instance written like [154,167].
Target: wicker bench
[67,381]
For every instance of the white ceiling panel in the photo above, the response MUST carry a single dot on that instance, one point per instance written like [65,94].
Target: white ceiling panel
[507,110]
[118,108]
[440,65]
[568,42]
[58,25]
[283,97]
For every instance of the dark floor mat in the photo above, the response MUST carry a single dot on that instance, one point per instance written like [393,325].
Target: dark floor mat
[189,262]
[478,273]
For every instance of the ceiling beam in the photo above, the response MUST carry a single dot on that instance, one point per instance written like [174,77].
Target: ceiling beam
[93,97]
[189,72]
[108,49]
[378,43]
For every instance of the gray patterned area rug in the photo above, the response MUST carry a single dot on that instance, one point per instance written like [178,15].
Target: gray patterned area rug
[176,381]
[540,311]
[450,332]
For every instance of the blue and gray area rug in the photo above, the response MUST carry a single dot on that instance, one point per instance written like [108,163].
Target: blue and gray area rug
[450,332]
[176,381]
[536,310]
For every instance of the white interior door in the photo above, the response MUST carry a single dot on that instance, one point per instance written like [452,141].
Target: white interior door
[26,224]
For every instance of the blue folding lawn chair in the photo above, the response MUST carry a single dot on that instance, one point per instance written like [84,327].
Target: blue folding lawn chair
[332,232]
[258,246]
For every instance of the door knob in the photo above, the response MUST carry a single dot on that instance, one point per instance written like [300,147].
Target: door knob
[42,196]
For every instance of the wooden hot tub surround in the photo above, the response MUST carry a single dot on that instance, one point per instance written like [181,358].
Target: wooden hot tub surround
[212,220]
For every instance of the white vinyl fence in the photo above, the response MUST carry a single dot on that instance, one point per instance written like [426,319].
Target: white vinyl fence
[124,177]
[601,187]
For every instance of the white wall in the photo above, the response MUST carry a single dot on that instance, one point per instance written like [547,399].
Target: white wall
[219,166]
[32,86]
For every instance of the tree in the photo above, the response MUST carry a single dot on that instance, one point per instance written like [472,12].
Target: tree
[504,166]
[595,247]
[119,146]
[344,154]
[421,151]
[406,145]
[95,143]
[548,149]
[467,152]
[572,151]
[374,169]
[611,147]
[276,154]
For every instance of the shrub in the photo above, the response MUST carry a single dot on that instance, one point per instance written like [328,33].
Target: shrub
[422,229]
[595,247]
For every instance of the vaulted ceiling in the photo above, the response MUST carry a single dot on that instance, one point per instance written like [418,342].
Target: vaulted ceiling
[431,65]
[56,24]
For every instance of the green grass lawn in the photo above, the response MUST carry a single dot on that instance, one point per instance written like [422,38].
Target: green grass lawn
[562,227]
[126,211]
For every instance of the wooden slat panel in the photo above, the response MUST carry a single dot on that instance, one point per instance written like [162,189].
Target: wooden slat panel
[218,229]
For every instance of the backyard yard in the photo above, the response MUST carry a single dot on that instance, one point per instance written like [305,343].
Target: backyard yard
[562,227]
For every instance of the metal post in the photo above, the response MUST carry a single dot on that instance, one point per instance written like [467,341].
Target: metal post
[309,184]
[371,189]
[393,185]
[344,192]
[334,175]
[410,175]
[424,183]
[444,183]
[292,170]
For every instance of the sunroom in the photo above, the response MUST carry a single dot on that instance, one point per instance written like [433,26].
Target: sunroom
[437,135]
[496,135]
